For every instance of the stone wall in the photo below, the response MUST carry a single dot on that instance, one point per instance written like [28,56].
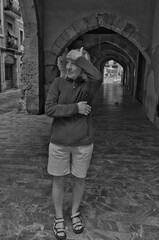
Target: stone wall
[152,75]
[29,83]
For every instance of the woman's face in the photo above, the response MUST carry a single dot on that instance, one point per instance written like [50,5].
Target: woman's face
[73,71]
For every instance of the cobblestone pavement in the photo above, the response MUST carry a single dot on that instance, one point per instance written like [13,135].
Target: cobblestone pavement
[121,200]
[9,101]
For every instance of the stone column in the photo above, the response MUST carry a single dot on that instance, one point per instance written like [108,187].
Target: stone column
[0,72]
[29,82]
[2,68]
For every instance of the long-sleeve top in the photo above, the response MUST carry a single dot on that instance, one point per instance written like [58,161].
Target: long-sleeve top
[69,127]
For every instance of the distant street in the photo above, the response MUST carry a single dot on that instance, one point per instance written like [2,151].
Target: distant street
[9,101]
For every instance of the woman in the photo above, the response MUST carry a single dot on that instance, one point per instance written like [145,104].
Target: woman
[69,103]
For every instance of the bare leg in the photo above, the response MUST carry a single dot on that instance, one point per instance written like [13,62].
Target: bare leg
[78,190]
[58,195]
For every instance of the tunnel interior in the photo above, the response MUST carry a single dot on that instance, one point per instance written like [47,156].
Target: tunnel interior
[104,45]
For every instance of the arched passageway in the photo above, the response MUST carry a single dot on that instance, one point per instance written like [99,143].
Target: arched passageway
[120,41]
[104,52]
[113,72]
[101,43]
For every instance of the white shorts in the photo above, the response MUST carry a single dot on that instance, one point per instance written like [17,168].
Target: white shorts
[64,160]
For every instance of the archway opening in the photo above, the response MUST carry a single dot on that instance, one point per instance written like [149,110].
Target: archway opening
[112,72]
[105,47]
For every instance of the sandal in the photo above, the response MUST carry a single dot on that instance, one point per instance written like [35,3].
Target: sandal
[59,230]
[77,224]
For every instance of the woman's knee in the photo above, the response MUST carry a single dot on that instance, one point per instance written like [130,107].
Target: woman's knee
[79,181]
[59,181]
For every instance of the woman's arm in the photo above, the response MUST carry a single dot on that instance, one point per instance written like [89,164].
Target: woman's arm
[94,75]
[53,109]
[88,67]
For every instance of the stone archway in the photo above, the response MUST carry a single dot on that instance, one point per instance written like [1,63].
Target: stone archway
[126,30]
[32,85]
[111,52]
[128,69]
[95,21]
[107,49]
[117,41]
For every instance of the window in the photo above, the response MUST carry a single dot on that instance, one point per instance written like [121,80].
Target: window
[8,71]
[21,37]
[1,18]
[10,25]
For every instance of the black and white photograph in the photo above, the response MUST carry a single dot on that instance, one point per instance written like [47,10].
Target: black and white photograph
[79,120]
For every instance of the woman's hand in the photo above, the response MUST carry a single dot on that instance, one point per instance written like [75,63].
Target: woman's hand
[84,108]
[74,54]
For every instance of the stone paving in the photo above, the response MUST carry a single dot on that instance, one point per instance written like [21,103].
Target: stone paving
[121,200]
[9,101]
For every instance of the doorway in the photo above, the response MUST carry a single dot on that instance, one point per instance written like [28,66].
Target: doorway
[9,76]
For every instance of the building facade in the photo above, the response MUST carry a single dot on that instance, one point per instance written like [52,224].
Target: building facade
[11,44]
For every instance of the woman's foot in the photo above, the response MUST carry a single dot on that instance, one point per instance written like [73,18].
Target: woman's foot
[77,223]
[59,229]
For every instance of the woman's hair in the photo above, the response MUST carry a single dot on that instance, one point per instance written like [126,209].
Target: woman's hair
[75,51]
[86,55]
